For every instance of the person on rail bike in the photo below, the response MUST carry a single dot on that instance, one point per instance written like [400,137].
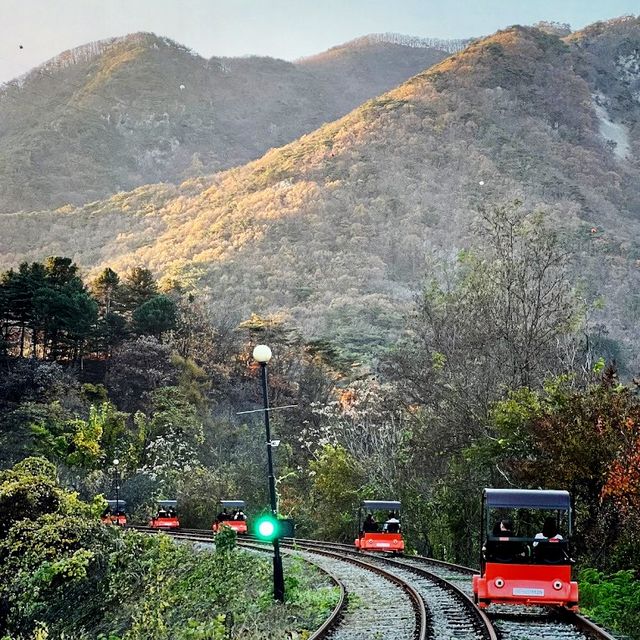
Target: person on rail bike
[223,516]
[549,531]
[369,525]
[392,525]
[549,553]
[504,550]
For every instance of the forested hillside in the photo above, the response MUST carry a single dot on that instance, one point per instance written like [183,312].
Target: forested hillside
[333,229]
[483,391]
[117,114]
[447,277]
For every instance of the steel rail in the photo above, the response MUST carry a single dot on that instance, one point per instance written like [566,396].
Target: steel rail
[486,627]
[588,627]
[418,603]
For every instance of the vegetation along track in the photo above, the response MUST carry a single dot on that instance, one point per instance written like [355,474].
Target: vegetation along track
[382,605]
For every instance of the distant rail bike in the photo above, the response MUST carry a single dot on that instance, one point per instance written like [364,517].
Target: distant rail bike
[115,513]
[166,516]
[231,515]
[381,533]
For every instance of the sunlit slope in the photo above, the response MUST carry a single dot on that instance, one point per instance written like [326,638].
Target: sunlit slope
[116,114]
[334,227]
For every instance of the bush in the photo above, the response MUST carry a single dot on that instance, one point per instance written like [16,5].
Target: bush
[65,575]
[612,601]
[226,540]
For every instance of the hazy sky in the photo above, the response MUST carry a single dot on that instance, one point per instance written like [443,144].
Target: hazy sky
[286,29]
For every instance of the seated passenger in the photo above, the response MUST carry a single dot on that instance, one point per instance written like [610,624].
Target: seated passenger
[370,525]
[550,553]
[504,550]
[392,525]
[549,531]
[239,515]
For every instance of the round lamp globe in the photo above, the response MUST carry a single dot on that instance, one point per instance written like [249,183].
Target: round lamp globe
[262,354]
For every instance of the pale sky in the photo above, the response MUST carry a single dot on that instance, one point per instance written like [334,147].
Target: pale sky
[286,29]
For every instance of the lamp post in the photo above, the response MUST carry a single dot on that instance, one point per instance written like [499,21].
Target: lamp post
[116,474]
[262,355]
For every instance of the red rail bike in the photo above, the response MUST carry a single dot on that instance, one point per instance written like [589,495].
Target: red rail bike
[115,513]
[525,549]
[166,516]
[231,515]
[379,526]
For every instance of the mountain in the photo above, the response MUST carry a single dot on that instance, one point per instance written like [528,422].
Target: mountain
[332,229]
[116,114]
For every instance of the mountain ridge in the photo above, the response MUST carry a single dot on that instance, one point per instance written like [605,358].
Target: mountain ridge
[333,229]
[141,108]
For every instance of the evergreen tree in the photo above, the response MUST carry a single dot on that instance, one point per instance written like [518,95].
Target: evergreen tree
[17,312]
[156,316]
[139,287]
[105,290]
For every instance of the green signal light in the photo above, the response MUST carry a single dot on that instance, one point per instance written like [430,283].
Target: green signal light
[267,528]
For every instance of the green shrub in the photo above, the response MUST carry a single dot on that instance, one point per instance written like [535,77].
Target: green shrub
[612,601]
[226,540]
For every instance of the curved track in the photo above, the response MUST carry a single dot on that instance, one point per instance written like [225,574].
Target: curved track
[444,589]
[452,614]
[383,605]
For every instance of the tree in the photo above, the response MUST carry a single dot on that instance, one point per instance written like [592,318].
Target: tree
[371,426]
[29,490]
[137,368]
[155,316]
[337,483]
[138,287]
[583,440]
[105,289]
[17,310]
[505,316]
[111,330]
[50,301]
[54,553]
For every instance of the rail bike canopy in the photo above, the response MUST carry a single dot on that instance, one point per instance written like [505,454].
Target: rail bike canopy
[233,504]
[527,499]
[118,505]
[385,505]
[167,503]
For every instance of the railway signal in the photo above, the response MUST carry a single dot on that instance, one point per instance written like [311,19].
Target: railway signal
[270,528]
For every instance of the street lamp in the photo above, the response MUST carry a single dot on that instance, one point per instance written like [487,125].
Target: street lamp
[262,355]
[116,473]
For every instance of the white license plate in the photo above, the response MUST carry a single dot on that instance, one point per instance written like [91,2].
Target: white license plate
[384,544]
[519,591]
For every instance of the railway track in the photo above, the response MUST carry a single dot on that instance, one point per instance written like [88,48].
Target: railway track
[516,622]
[385,607]
[444,590]
[451,613]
